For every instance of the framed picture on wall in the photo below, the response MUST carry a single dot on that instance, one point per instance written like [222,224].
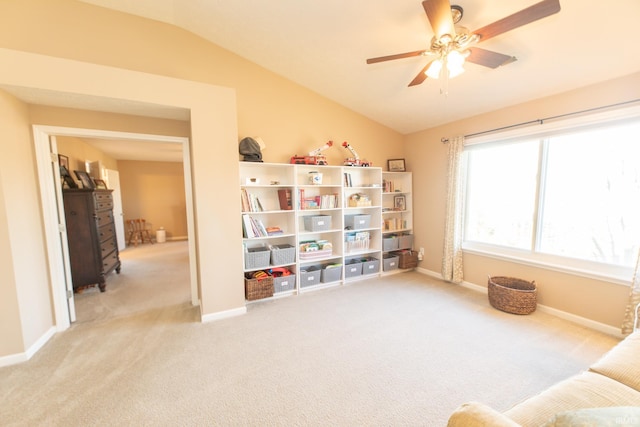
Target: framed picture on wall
[85,179]
[396,165]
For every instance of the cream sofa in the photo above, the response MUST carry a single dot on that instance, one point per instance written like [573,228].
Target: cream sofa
[608,393]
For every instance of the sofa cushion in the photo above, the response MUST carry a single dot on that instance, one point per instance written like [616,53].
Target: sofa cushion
[474,414]
[615,416]
[623,362]
[586,390]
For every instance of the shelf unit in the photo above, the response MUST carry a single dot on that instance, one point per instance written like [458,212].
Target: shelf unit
[260,187]
[397,215]
[334,208]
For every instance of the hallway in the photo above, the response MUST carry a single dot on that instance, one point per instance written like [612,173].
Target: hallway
[152,276]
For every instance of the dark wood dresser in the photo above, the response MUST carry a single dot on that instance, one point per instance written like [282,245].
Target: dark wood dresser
[91,233]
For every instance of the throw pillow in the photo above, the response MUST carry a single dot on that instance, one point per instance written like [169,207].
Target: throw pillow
[614,416]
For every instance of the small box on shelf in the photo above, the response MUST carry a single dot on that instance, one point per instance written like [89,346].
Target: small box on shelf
[390,242]
[283,280]
[370,265]
[331,273]
[357,221]
[359,200]
[258,286]
[353,268]
[283,254]
[258,257]
[310,276]
[405,241]
[407,258]
[389,262]
[317,222]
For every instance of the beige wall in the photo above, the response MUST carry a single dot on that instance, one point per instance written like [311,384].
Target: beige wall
[151,190]
[289,118]
[78,152]
[25,303]
[155,191]
[46,46]
[592,299]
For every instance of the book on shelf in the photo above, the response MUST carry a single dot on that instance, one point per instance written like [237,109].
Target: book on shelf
[274,231]
[250,202]
[284,197]
[253,227]
[347,180]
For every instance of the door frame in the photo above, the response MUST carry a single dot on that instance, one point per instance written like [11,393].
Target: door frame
[49,199]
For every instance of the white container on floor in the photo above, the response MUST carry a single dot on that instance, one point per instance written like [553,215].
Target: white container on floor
[161,235]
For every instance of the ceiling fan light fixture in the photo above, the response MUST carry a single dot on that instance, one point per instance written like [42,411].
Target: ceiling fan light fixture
[433,72]
[454,70]
[455,59]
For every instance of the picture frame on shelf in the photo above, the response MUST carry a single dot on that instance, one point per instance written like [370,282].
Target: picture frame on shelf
[100,184]
[67,178]
[396,165]
[85,179]
[399,203]
[63,161]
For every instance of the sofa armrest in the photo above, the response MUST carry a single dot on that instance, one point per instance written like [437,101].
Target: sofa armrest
[474,414]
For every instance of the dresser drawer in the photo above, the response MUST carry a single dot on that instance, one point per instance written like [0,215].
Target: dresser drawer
[109,262]
[103,201]
[108,246]
[106,232]
[104,218]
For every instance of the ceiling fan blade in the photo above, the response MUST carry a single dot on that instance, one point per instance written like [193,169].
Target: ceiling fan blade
[518,19]
[489,58]
[439,14]
[420,77]
[397,56]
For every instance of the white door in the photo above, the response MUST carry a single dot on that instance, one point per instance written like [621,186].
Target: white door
[62,226]
[113,182]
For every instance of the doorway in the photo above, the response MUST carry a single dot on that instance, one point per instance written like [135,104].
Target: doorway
[51,201]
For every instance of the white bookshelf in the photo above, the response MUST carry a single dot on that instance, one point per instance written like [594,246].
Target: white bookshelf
[317,203]
[397,212]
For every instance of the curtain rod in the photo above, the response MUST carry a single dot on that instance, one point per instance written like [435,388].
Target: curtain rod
[541,121]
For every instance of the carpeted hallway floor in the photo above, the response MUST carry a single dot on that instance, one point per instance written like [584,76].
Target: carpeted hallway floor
[404,349]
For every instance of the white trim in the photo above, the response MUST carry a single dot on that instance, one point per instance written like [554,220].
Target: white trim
[219,315]
[40,342]
[579,320]
[191,227]
[52,235]
[52,232]
[14,359]
[617,275]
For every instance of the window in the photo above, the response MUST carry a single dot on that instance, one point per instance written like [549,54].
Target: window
[569,197]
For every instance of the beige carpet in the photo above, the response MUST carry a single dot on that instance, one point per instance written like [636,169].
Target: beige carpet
[400,350]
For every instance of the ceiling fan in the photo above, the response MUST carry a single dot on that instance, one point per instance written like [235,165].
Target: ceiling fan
[452,45]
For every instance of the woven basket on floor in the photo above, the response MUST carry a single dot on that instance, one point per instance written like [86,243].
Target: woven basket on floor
[512,295]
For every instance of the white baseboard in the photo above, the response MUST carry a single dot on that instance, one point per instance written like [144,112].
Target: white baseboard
[212,317]
[14,359]
[582,321]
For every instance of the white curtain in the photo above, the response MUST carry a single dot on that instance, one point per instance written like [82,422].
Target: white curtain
[452,256]
[634,300]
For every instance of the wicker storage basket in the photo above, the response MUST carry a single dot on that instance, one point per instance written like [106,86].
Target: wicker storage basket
[407,259]
[512,295]
[258,288]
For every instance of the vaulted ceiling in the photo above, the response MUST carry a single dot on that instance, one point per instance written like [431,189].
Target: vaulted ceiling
[323,45]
